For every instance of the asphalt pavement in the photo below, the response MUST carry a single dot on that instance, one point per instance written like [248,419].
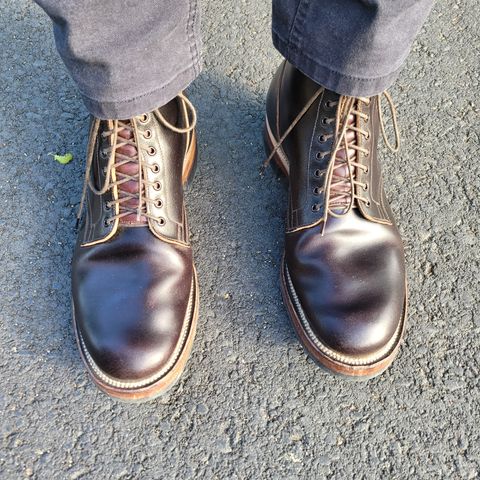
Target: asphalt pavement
[250,404]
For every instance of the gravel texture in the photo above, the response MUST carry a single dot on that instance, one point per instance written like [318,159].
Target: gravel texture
[250,404]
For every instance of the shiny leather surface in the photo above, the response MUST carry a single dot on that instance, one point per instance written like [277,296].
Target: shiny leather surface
[132,292]
[164,150]
[350,281]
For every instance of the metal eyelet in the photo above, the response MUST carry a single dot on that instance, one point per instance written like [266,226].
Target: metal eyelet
[367,204]
[322,138]
[143,118]
[152,151]
[155,168]
[147,134]
[315,207]
[107,222]
[158,203]
[317,173]
[108,207]
[319,156]
[157,186]
[161,221]
[317,191]
[365,186]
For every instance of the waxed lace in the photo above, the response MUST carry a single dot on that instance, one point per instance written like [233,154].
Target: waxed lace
[340,192]
[115,178]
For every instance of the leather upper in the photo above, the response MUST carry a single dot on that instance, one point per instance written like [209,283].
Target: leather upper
[347,277]
[133,280]
[350,282]
[163,152]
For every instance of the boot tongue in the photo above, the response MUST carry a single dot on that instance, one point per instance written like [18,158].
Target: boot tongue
[130,186]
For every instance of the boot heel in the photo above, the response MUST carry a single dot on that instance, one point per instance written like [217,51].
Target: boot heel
[279,157]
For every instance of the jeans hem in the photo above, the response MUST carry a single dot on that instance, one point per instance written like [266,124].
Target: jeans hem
[144,102]
[330,78]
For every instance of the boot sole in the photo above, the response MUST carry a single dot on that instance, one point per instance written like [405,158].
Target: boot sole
[326,362]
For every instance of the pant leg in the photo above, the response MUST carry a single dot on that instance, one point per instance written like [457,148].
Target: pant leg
[353,47]
[130,56]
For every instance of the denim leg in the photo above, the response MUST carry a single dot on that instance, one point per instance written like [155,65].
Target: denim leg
[353,47]
[127,57]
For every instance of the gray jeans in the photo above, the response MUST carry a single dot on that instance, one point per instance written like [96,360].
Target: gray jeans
[130,57]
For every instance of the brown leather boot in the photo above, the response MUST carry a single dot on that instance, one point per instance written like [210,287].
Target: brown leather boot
[343,272]
[134,285]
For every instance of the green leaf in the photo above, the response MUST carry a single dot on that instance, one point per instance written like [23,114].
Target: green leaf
[63,159]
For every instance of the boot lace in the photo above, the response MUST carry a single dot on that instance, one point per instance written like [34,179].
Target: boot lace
[339,187]
[125,202]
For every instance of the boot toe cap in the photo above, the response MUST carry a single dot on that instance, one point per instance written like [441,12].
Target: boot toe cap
[350,292]
[133,312]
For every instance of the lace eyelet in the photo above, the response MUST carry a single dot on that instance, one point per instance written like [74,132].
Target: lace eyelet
[107,222]
[143,118]
[155,168]
[365,170]
[158,203]
[157,186]
[367,204]
[365,186]
[161,221]
[329,104]
[152,151]
[104,170]
[317,191]
[317,173]
[147,134]
[108,207]
[322,138]
[319,156]
[315,207]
